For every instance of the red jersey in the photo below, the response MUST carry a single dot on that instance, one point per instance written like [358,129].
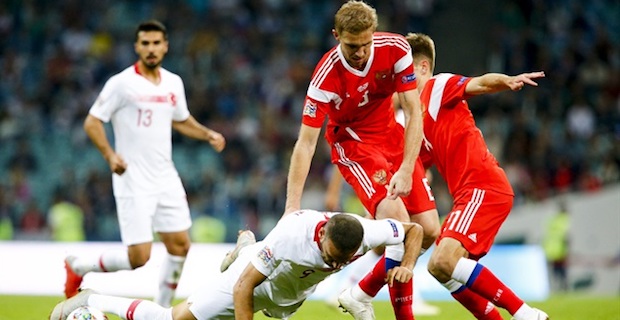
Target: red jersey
[358,103]
[453,142]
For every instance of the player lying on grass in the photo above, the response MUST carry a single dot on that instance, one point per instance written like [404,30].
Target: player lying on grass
[275,275]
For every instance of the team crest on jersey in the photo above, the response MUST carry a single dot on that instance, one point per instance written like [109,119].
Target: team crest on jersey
[382,74]
[380,177]
[265,255]
[461,81]
[172,99]
[408,78]
[310,109]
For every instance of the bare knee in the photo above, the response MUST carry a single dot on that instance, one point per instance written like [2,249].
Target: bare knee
[444,259]
[179,250]
[440,267]
[138,258]
[177,243]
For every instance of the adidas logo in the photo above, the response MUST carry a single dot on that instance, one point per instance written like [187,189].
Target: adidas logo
[473,237]
[490,307]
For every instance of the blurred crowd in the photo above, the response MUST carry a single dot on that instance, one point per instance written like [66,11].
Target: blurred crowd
[246,65]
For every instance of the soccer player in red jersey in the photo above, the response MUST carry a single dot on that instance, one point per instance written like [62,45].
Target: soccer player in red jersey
[481,191]
[352,86]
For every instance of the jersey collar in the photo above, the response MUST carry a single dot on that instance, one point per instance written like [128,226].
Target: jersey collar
[359,73]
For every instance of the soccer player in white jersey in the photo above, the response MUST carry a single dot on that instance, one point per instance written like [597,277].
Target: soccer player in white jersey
[144,102]
[277,274]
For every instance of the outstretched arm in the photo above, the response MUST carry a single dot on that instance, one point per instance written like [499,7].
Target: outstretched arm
[300,166]
[495,82]
[243,292]
[193,129]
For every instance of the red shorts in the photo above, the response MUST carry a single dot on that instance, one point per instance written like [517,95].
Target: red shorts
[369,168]
[476,219]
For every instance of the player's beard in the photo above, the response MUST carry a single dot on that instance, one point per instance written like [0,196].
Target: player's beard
[151,63]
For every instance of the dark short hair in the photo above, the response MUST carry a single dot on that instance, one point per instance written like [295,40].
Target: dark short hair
[152,25]
[345,232]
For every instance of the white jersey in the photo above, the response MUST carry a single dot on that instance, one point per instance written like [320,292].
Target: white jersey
[142,113]
[291,259]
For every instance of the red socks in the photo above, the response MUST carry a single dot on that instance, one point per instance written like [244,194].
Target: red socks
[401,294]
[480,307]
[487,285]
[375,279]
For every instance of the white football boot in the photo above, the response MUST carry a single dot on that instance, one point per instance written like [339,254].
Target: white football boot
[245,238]
[358,309]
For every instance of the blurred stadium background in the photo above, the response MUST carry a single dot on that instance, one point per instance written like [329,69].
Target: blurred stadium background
[246,65]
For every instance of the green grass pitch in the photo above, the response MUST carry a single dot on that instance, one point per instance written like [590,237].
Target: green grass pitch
[559,307]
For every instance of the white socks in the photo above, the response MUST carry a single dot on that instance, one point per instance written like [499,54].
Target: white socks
[358,294]
[107,262]
[133,309]
[463,270]
[361,266]
[169,276]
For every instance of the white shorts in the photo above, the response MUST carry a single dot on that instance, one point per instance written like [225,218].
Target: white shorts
[139,216]
[214,301]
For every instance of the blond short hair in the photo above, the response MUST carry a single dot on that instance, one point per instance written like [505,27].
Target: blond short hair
[355,17]
[423,47]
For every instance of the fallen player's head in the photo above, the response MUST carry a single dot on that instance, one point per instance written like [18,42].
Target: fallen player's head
[340,238]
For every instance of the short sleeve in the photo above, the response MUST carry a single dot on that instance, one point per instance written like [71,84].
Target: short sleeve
[383,232]
[109,100]
[314,113]
[181,112]
[403,67]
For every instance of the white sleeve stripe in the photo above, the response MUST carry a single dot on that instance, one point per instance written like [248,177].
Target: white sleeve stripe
[437,94]
[403,63]
[321,95]
[400,40]
[356,170]
[393,44]
[325,68]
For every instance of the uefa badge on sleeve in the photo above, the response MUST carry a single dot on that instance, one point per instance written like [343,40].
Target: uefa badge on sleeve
[310,109]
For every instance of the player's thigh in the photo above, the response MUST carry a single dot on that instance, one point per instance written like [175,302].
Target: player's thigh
[421,198]
[214,300]
[212,305]
[475,220]
[135,218]
[172,212]
[366,168]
